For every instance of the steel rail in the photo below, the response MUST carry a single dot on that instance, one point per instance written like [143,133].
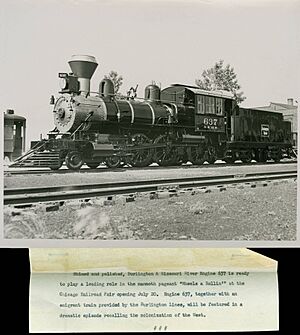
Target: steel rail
[67,192]
[62,188]
[12,172]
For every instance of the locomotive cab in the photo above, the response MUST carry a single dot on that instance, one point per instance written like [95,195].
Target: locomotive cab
[205,111]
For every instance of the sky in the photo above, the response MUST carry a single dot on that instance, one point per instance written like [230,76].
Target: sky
[166,41]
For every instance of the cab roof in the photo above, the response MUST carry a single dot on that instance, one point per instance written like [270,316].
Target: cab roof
[197,90]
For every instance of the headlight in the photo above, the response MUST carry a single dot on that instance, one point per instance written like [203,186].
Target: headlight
[63,84]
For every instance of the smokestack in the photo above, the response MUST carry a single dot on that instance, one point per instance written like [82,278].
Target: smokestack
[290,101]
[83,66]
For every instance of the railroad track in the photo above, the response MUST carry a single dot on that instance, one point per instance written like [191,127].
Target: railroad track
[101,169]
[17,196]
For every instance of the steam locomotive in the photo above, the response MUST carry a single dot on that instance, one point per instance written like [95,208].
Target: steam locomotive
[171,126]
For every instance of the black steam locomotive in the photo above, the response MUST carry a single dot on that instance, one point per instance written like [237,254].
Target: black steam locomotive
[171,126]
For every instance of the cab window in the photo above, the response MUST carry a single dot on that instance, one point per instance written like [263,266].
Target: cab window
[210,105]
[200,104]
[219,106]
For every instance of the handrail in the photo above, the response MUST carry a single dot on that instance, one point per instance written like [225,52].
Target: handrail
[32,150]
[90,114]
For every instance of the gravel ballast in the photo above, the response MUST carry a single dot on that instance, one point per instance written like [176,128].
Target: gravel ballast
[240,212]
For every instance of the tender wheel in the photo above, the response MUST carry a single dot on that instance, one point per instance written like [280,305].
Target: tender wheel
[166,155]
[229,160]
[74,160]
[92,165]
[141,157]
[261,156]
[197,156]
[277,157]
[179,161]
[113,161]
[247,157]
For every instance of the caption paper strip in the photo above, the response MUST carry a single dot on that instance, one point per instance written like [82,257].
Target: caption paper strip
[81,290]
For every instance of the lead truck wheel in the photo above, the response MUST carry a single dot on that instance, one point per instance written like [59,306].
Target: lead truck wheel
[57,166]
[74,160]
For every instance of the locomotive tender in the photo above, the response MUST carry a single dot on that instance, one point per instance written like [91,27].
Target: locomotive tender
[171,126]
